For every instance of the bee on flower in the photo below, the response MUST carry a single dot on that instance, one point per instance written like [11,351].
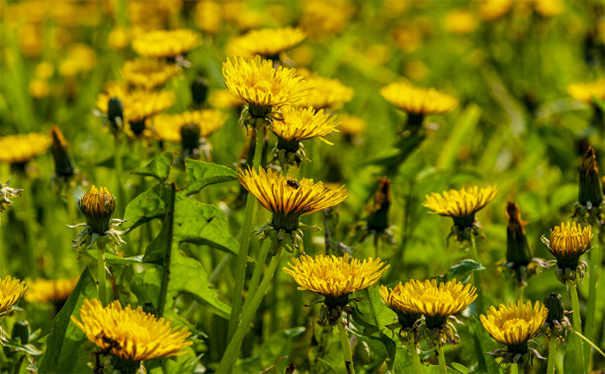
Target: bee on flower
[288,199]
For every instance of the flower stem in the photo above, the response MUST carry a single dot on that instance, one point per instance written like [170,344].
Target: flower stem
[596,258]
[441,357]
[415,357]
[258,271]
[577,346]
[248,314]
[242,257]
[552,352]
[101,271]
[477,275]
[119,169]
[514,369]
[346,347]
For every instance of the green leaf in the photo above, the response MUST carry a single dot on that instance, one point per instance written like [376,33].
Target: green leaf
[459,135]
[146,286]
[145,207]
[201,174]
[112,259]
[403,360]
[271,353]
[64,351]
[202,224]
[483,344]
[181,270]
[462,270]
[371,313]
[460,368]
[159,167]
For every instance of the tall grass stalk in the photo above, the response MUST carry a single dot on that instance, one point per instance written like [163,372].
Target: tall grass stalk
[577,345]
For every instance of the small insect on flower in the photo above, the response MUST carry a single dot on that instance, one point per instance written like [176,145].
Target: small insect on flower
[292,183]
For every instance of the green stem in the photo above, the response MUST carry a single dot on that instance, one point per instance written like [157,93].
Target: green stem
[242,257]
[258,271]
[248,315]
[101,271]
[119,170]
[377,242]
[594,275]
[477,275]
[415,357]
[552,352]
[442,364]
[514,369]
[577,323]
[346,347]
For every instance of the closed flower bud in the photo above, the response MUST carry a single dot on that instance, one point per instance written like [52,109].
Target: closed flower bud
[115,114]
[199,91]
[21,332]
[63,166]
[98,207]
[554,304]
[591,191]
[517,247]
[378,220]
[190,136]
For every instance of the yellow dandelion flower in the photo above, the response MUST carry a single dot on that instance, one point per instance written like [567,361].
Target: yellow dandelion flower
[207,16]
[335,276]
[303,123]
[260,85]
[350,125]
[324,18]
[586,91]
[435,300]
[222,99]
[38,88]
[288,199]
[491,10]
[460,22]
[392,298]
[148,73]
[461,204]
[416,100]
[166,43]
[268,43]
[44,70]
[18,149]
[168,127]
[327,93]
[54,291]
[549,8]
[514,324]
[118,38]
[568,242]
[138,104]
[128,333]
[11,291]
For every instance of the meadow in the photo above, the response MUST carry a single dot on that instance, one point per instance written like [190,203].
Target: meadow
[305,186]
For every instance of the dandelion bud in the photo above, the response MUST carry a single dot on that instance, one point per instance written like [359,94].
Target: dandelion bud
[190,136]
[63,166]
[378,220]
[517,247]
[554,304]
[98,207]
[21,332]
[115,113]
[591,191]
[199,91]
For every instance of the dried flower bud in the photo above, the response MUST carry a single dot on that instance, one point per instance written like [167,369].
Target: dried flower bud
[63,166]
[554,304]
[517,247]
[591,191]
